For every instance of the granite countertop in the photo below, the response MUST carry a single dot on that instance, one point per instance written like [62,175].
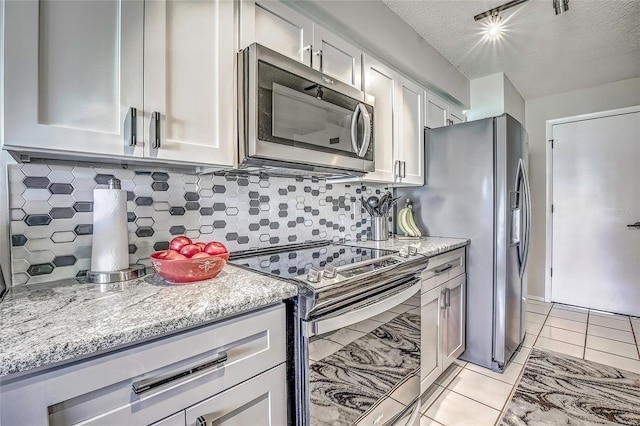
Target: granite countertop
[64,320]
[427,246]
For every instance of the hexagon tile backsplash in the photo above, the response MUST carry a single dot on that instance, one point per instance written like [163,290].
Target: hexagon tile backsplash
[51,213]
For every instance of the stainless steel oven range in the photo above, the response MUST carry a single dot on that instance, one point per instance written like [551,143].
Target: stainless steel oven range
[356,328]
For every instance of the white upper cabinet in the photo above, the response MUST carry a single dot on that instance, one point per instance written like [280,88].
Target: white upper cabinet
[75,81]
[411,133]
[398,125]
[188,90]
[335,57]
[381,82]
[455,115]
[437,111]
[73,77]
[441,113]
[278,27]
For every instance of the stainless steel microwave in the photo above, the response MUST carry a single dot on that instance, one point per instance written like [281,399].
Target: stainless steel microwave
[291,116]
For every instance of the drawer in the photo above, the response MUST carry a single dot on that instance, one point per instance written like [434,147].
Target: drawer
[259,401]
[443,268]
[247,345]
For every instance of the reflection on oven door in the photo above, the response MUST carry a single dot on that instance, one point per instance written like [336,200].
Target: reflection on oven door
[369,372]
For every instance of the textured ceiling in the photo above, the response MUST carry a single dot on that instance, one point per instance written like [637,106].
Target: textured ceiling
[595,42]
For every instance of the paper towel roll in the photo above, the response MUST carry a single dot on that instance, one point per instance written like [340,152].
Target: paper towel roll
[110,251]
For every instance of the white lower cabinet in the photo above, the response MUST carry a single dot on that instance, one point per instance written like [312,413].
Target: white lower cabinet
[259,401]
[230,372]
[443,315]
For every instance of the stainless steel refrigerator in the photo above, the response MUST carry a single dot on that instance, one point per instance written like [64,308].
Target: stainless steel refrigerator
[477,188]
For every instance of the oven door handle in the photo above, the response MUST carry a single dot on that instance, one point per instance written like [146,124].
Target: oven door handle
[322,326]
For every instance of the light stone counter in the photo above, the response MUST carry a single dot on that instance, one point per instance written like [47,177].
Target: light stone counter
[427,246]
[47,324]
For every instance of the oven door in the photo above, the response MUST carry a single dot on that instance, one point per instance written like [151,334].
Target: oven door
[296,114]
[363,362]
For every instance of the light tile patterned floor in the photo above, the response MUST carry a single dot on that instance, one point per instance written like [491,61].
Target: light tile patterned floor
[467,394]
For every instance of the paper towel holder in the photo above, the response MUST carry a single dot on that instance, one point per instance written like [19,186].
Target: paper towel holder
[99,277]
[106,277]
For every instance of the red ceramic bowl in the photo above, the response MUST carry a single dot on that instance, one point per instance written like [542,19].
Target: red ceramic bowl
[189,270]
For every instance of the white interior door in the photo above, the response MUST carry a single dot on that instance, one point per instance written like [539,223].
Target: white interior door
[596,195]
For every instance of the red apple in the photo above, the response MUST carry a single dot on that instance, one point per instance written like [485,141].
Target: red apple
[201,245]
[178,242]
[161,254]
[189,250]
[214,248]
[199,255]
[174,255]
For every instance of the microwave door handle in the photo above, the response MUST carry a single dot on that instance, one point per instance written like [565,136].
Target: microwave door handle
[366,139]
[354,125]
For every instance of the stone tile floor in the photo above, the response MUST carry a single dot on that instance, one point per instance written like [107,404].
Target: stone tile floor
[470,395]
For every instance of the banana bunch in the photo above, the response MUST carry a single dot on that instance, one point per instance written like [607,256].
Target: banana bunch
[406,223]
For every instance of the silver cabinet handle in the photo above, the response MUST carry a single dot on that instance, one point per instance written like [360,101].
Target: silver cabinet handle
[309,48]
[396,166]
[634,225]
[443,303]
[318,53]
[404,169]
[142,386]
[133,126]
[447,296]
[155,118]
[442,268]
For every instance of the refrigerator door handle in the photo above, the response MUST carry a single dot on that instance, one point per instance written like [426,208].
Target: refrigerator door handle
[527,197]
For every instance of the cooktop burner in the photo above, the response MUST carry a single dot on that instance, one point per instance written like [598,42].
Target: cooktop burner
[292,261]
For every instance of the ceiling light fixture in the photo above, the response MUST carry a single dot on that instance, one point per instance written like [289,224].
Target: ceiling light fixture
[560,6]
[496,10]
[494,28]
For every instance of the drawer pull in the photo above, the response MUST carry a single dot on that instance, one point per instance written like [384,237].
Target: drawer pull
[146,385]
[443,268]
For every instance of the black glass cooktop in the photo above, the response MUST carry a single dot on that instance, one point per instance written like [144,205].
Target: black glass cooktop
[290,261]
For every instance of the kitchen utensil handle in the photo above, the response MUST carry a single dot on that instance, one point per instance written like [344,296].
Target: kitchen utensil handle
[133,126]
[366,138]
[634,225]
[142,386]
[155,118]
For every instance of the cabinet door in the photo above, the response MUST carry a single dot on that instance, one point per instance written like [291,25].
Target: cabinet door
[336,57]
[411,132]
[278,27]
[455,115]
[188,69]
[72,71]
[258,401]
[381,82]
[437,111]
[431,314]
[454,338]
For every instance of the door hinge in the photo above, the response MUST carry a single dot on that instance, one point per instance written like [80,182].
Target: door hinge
[551,142]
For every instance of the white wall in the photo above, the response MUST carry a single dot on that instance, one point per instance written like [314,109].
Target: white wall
[487,97]
[514,104]
[375,27]
[494,95]
[609,96]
